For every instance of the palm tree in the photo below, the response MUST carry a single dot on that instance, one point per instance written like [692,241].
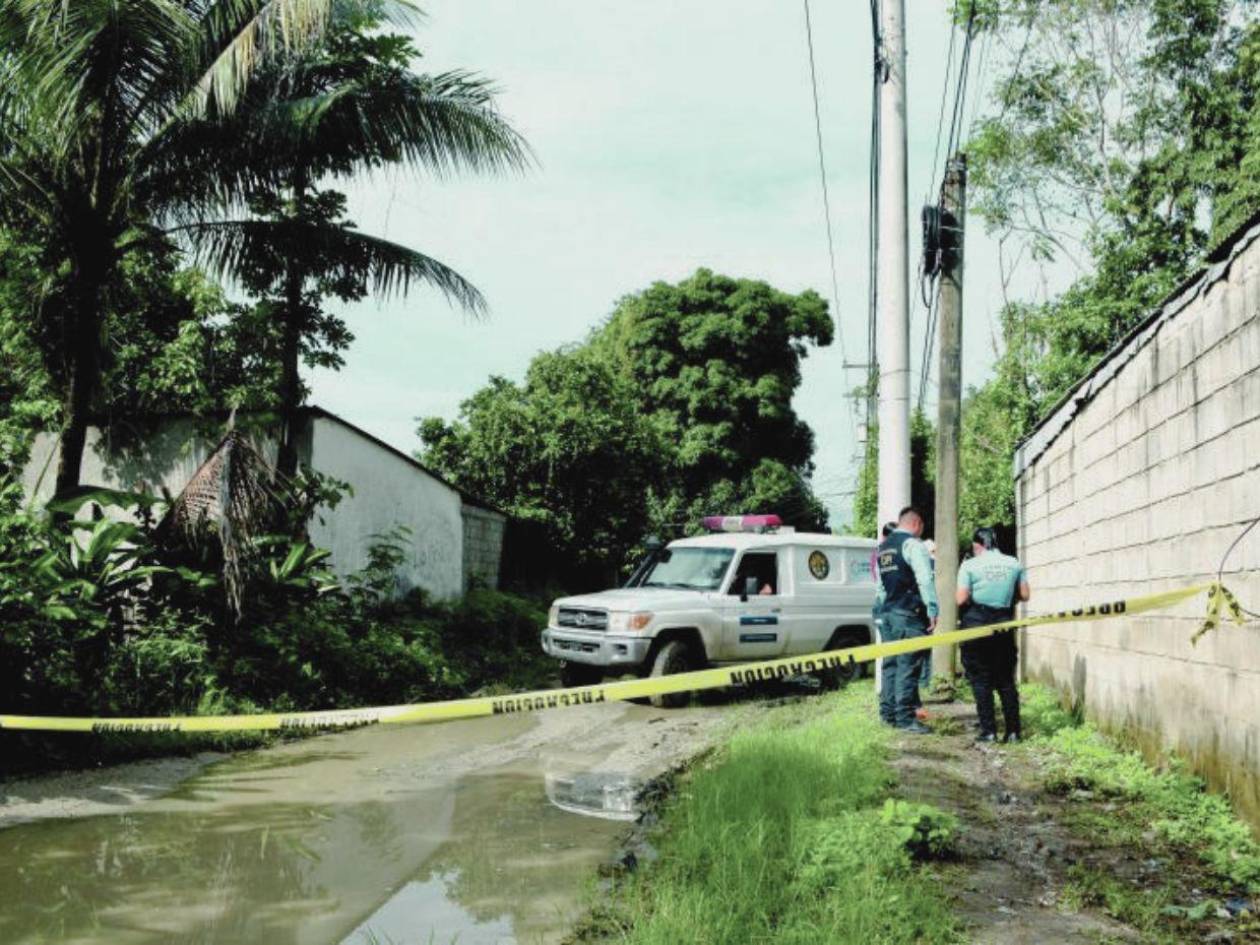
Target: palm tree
[112,115]
[345,105]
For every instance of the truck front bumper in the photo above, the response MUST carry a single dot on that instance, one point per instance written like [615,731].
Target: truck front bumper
[595,648]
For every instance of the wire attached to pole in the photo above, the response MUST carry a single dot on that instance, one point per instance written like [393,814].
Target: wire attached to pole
[822,175]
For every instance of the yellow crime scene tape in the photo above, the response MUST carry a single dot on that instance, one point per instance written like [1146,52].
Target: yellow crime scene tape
[1219,598]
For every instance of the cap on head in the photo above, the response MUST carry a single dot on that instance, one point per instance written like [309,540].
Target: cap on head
[986,538]
[888,529]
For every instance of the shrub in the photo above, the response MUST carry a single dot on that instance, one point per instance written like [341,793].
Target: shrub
[1042,711]
[926,832]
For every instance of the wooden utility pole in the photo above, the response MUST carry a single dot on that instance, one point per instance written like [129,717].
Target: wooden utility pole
[892,267]
[949,410]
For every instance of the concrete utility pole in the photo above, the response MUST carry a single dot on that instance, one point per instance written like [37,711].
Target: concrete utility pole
[949,411]
[892,275]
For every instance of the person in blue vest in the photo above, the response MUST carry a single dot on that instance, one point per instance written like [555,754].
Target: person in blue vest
[909,610]
[887,699]
[989,585]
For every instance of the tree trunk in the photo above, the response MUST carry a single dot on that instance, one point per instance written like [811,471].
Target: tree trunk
[82,342]
[290,380]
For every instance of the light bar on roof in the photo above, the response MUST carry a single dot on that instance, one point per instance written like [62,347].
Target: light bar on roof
[741,523]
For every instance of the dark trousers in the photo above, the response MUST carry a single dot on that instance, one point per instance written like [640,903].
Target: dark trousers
[990,665]
[899,695]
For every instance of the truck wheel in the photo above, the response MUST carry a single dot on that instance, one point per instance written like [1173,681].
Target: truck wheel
[843,640]
[579,674]
[673,657]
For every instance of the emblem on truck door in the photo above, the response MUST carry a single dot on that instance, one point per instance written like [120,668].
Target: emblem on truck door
[819,566]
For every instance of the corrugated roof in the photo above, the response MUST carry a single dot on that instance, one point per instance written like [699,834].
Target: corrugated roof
[1217,264]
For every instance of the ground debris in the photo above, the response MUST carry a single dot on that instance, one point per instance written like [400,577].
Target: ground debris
[1033,867]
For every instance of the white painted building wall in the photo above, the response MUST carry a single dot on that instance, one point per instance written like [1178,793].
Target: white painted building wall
[389,490]
[1138,484]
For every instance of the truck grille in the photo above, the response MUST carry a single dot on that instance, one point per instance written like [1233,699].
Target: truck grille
[582,619]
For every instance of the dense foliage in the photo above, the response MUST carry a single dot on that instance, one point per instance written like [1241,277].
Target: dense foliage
[1125,142]
[567,449]
[678,406]
[147,148]
[100,618]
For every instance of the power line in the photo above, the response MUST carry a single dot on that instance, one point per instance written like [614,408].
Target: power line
[822,175]
[986,45]
[940,118]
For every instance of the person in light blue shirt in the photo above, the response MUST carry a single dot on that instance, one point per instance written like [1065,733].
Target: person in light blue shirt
[990,583]
[910,610]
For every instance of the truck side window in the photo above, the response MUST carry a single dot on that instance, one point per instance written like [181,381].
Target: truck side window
[762,565]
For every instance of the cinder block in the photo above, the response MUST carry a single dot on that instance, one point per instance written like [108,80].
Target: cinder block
[1212,314]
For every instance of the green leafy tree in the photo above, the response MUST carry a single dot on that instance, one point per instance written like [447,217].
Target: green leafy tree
[679,406]
[28,400]
[922,478]
[1122,142]
[569,449]
[716,362]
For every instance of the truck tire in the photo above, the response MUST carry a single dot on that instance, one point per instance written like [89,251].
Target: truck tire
[843,640]
[673,657]
[579,674]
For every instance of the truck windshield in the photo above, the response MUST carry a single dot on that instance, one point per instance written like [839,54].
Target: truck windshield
[695,569]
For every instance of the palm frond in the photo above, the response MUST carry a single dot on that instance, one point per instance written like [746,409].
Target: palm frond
[225,247]
[239,35]
[439,123]
[231,500]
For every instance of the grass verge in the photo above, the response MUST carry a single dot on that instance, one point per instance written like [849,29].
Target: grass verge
[1203,861]
[788,836]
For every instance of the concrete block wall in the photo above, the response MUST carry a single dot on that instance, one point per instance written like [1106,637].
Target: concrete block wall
[1143,491]
[483,546]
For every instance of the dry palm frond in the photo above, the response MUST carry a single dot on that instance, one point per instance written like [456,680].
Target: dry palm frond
[231,499]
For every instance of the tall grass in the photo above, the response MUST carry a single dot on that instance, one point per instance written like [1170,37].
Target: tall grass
[781,840]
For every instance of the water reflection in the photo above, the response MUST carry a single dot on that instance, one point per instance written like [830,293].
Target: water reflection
[611,796]
[351,839]
[514,861]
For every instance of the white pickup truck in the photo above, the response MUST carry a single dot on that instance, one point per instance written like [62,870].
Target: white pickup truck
[719,599]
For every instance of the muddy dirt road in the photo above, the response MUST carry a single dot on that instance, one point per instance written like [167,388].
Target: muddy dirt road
[481,831]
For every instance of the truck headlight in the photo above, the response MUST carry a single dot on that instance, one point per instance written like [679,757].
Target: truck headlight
[553,616]
[624,621]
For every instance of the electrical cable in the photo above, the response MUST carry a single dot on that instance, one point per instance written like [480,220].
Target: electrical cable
[986,45]
[960,93]
[822,174]
[958,109]
[1220,571]
[940,118]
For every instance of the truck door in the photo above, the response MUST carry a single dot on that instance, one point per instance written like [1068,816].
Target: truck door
[755,628]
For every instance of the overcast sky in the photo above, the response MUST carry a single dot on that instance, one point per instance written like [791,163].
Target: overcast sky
[670,134]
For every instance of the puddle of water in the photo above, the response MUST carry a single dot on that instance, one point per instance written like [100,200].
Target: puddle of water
[429,906]
[514,870]
[351,838]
